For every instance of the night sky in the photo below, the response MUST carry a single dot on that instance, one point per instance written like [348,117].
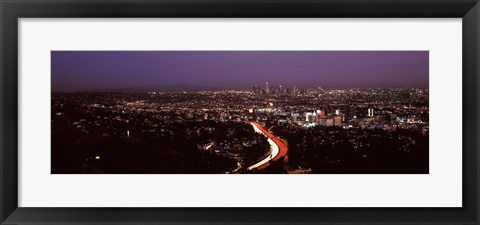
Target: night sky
[108,70]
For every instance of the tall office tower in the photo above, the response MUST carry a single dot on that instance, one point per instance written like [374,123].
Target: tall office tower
[370,112]
[256,89]
[288,91]
[319,91]
[267,89]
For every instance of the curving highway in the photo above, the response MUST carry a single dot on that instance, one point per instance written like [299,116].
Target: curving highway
[277,146]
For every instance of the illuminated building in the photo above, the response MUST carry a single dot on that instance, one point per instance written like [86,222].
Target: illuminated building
[311,117]
[337,120]
[329,122]
[322,121]
[370,112]
[294,118]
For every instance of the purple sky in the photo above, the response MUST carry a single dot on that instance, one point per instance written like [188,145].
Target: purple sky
[96,70]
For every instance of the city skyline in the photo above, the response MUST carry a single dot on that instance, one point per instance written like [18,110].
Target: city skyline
[77,71]
[240,112]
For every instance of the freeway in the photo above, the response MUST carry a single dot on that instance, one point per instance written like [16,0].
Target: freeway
[278,147]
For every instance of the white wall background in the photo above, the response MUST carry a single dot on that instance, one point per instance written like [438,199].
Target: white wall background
[441,188]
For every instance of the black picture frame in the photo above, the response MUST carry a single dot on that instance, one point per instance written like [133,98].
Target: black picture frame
[12,10]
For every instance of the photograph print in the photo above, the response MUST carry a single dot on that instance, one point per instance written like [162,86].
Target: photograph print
[239,112]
